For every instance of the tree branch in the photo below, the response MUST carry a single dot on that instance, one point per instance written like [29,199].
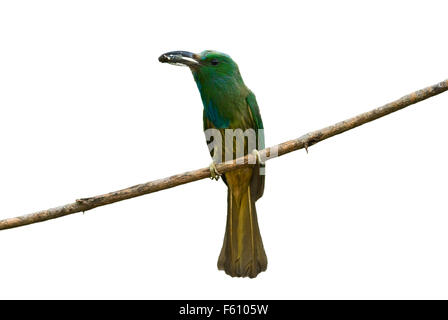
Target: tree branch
[304,141]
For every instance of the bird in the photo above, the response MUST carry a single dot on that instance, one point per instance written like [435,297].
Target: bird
[229,105]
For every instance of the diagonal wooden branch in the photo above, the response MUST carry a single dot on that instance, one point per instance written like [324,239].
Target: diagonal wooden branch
[304,141]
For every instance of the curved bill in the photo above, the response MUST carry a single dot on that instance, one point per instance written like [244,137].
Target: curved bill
[180,58]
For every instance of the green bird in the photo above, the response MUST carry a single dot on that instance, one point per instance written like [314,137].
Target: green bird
[229,104]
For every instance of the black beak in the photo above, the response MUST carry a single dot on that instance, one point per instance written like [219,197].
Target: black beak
[183,58]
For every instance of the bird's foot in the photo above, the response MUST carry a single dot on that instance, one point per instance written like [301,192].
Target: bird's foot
[214,173]
[257,155]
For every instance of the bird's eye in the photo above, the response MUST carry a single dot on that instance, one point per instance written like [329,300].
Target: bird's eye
[214,62]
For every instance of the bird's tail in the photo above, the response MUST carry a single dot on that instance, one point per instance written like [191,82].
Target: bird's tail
[242,254]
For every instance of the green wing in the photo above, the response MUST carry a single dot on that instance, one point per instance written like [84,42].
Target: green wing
[256,117]
[257,181]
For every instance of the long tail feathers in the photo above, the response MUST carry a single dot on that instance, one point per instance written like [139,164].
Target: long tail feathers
[242,254]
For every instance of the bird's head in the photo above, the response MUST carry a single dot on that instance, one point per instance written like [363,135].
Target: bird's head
[207,66]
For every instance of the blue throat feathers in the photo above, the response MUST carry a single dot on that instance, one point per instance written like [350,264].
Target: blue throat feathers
[211,111]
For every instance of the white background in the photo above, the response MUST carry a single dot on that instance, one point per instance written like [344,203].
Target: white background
[86,108]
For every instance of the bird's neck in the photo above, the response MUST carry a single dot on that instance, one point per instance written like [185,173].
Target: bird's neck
[219,97]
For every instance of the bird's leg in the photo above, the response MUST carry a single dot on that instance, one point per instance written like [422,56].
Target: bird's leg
[214,173]
[257,155]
